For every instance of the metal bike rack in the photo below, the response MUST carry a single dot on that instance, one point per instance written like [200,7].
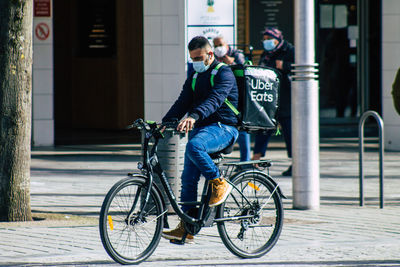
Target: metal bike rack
[361,147]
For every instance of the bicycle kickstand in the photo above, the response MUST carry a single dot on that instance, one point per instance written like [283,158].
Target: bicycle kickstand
[179,242]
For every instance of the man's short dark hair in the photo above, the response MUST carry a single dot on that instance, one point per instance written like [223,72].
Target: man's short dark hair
[198,42]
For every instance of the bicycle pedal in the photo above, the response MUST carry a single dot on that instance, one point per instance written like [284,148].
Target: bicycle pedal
[177,242]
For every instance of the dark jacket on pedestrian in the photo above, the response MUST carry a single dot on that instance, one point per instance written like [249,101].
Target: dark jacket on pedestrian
[206,103]
[268,59]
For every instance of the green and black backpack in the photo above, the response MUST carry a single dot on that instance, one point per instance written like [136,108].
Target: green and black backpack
[258,96]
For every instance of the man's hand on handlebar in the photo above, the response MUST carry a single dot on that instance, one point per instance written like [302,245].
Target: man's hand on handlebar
[186,125]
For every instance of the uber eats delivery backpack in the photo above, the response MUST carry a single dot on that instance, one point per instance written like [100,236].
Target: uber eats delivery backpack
[258,96]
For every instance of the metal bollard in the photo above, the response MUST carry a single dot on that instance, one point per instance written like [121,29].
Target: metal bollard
[305,112]
[361,154]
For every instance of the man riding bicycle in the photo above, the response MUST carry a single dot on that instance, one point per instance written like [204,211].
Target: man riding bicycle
[211,123]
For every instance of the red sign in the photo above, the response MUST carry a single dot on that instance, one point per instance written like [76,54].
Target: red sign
[42,31]
[41,8]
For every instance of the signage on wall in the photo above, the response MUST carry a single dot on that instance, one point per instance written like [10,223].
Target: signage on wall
[211,18]
[41,8]
[42,31]
[210,12]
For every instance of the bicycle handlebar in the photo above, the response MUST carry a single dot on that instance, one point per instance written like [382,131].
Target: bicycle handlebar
[152,125]
[171,124]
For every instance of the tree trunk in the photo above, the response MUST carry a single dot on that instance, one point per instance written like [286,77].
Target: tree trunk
[15,108]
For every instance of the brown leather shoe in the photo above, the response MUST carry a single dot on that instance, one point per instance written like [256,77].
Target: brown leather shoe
[177,233]
[220,190]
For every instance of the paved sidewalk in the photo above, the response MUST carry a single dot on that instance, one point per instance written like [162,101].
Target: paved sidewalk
[74,180]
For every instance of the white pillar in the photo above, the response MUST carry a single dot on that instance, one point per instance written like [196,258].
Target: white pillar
[164,55]
[305,111]
[43,85]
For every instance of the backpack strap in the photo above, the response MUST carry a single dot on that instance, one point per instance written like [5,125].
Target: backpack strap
[232,107]
[213,73]
[194,80]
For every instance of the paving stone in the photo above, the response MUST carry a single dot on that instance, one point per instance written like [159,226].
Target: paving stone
[75,180]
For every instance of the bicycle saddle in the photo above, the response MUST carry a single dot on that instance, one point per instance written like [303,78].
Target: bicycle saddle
[225,151]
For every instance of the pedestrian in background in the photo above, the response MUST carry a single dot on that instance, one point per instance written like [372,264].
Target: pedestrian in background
[396,92]
[278,54]
[226,54]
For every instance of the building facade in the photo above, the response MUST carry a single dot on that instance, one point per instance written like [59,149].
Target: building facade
[99,65]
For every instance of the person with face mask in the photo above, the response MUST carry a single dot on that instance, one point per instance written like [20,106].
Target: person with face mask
[211,124]
[226,54]
[278,54]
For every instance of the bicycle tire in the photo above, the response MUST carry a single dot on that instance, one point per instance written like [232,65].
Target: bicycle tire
[261,233]
[126,240]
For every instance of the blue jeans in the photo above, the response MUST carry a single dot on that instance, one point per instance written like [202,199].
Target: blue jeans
[244,146]
[202,142]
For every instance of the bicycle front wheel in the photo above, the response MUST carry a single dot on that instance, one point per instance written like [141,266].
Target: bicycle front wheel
[251,218]
[130,232]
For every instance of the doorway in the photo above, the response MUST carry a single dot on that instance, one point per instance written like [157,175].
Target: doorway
[348,53]
[98,70]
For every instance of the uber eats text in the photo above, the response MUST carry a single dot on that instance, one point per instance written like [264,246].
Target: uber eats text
[261,90]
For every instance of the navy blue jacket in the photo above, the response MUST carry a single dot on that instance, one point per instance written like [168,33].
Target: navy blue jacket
[206,103]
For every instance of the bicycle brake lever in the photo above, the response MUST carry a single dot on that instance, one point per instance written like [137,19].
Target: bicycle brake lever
[136,124]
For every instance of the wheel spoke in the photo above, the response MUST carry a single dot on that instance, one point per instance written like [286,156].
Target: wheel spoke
[132,239]
[269,198]
[258,210]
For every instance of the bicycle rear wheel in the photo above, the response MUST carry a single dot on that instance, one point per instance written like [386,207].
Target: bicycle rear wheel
[250,220]
[127,237]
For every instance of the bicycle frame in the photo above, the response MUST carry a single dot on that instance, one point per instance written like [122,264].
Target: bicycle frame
[152,165]
[138,207]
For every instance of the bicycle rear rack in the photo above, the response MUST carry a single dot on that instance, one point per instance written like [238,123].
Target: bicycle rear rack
[361,154]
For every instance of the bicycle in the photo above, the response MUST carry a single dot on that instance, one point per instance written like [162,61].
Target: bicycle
[134,212]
